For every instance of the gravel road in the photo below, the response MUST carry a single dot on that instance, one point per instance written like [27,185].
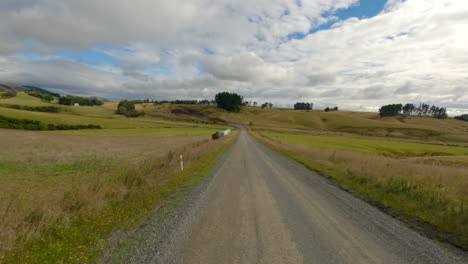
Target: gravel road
[259,207]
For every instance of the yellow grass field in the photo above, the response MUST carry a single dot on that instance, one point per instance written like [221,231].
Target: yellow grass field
[413,167]
[419,181]
[62,193]
[355,123]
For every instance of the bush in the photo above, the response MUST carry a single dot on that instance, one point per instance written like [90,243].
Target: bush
[9,93]
[26,124]
[6,122]
[49,109]
[71,100]
[127,108]
[72,127]
[43,96]
[215,136]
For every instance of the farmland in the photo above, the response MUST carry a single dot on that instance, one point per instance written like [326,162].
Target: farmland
[412,167]
[363,124]
[418,181]
[63,193]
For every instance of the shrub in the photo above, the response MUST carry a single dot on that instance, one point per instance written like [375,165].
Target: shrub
[9,93]
[26,124]
[71,100]
[49,109]
[215,136]
[6,122]
[127,108]
[72,127]
[43,96]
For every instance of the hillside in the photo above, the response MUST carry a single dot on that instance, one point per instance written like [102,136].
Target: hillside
[8,86]
[357,123]
[83,115]
[23,88]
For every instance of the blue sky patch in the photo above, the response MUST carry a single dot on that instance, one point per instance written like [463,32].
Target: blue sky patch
[89,56]
[364,9]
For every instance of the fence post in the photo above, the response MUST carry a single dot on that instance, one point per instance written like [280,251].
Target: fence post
[181,162]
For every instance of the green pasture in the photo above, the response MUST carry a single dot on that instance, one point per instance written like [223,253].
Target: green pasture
[395,149]
[153,131]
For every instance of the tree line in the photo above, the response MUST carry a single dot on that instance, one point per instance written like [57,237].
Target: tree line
[71,100]
[303,106]
[267,105]
[50,109]
[328,109]
[43,96]
[462,117]
[411,109]
[26,124]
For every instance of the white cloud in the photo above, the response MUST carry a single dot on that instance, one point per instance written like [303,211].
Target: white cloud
[412,51]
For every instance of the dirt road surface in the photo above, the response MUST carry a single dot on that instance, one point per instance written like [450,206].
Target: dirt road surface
[259,207]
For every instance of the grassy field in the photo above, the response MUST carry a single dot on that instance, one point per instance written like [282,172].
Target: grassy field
[394,149]
[356,123]
[63,193]
[96,115]
[418,182]
[414,167]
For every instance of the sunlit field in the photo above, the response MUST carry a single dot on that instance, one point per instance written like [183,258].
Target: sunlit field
[62,193]
[410,180]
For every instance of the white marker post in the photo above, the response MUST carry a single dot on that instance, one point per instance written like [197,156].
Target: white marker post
[181,162]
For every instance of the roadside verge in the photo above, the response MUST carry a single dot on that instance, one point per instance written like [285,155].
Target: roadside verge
[124,247]
[427,207]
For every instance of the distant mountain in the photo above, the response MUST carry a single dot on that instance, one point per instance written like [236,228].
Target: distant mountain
[23,88]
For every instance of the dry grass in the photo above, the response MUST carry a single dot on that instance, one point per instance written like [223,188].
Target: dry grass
[357,123]
[434,192]
[47,148]
[52,182]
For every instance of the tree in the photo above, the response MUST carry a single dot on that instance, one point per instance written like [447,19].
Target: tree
[127,108]
[267,104]
[43,96]
[462,117]
[204,102]
[390,110]
[71,100]
[408,109]
[229,101]
[255,104]
[303,106]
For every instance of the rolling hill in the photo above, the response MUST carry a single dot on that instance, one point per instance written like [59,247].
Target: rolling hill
[303,121]
[23,88]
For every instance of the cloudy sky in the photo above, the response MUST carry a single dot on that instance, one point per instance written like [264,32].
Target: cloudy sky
[354,54]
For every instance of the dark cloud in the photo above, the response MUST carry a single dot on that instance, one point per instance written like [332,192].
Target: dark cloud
[374,92]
